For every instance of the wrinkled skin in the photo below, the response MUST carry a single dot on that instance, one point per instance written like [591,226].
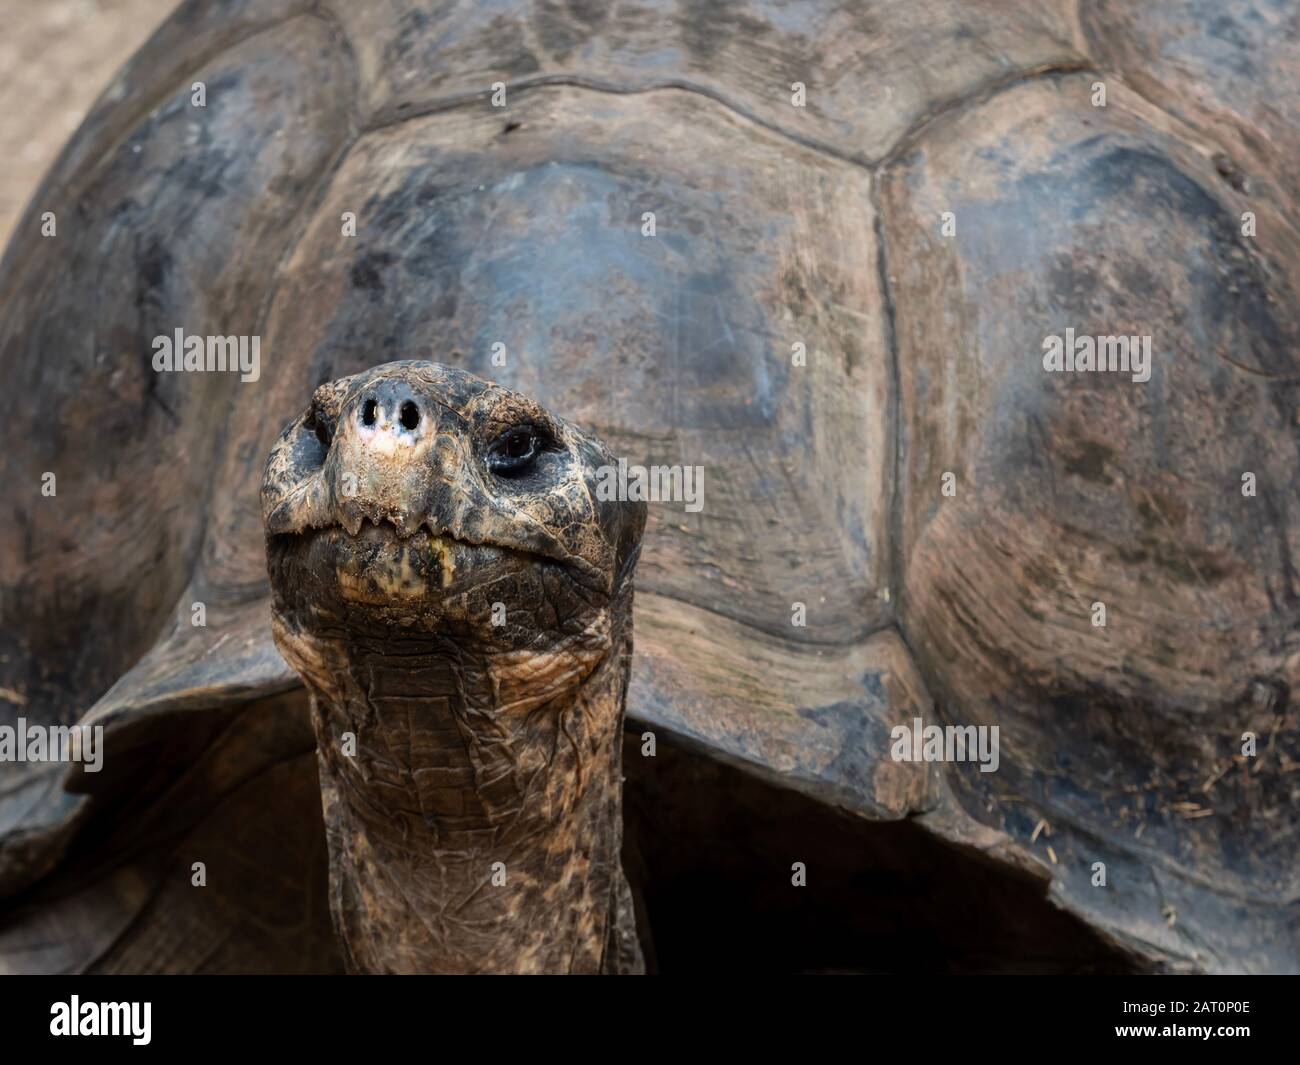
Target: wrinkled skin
[455,598]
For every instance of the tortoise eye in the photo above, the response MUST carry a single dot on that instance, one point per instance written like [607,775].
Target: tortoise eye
[514,451]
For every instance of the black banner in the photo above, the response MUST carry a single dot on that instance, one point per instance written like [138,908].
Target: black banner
[223,1015]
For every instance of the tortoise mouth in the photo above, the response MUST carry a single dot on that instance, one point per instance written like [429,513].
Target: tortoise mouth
[288,525]
[375,531]
[426,591]
[405,563]
[379,565]
[374,569]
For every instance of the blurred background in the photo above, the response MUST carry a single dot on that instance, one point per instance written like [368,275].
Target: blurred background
[56,56]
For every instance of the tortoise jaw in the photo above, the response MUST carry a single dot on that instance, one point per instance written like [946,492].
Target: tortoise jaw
[384,531]
[309,509]
[430,580]
[358,526]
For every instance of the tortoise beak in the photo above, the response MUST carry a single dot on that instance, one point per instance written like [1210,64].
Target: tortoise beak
[305,507]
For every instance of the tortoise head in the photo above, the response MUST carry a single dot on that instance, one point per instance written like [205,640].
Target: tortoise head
[457,599]
[419,496]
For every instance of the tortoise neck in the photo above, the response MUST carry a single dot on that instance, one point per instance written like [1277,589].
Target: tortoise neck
[474,821]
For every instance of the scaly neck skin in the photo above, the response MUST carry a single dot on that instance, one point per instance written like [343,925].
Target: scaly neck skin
[463,761]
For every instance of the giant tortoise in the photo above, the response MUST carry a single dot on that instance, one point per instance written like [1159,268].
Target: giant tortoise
[978,316]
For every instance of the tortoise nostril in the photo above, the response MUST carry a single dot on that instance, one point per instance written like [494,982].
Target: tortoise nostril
[410,415]
[368,412]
